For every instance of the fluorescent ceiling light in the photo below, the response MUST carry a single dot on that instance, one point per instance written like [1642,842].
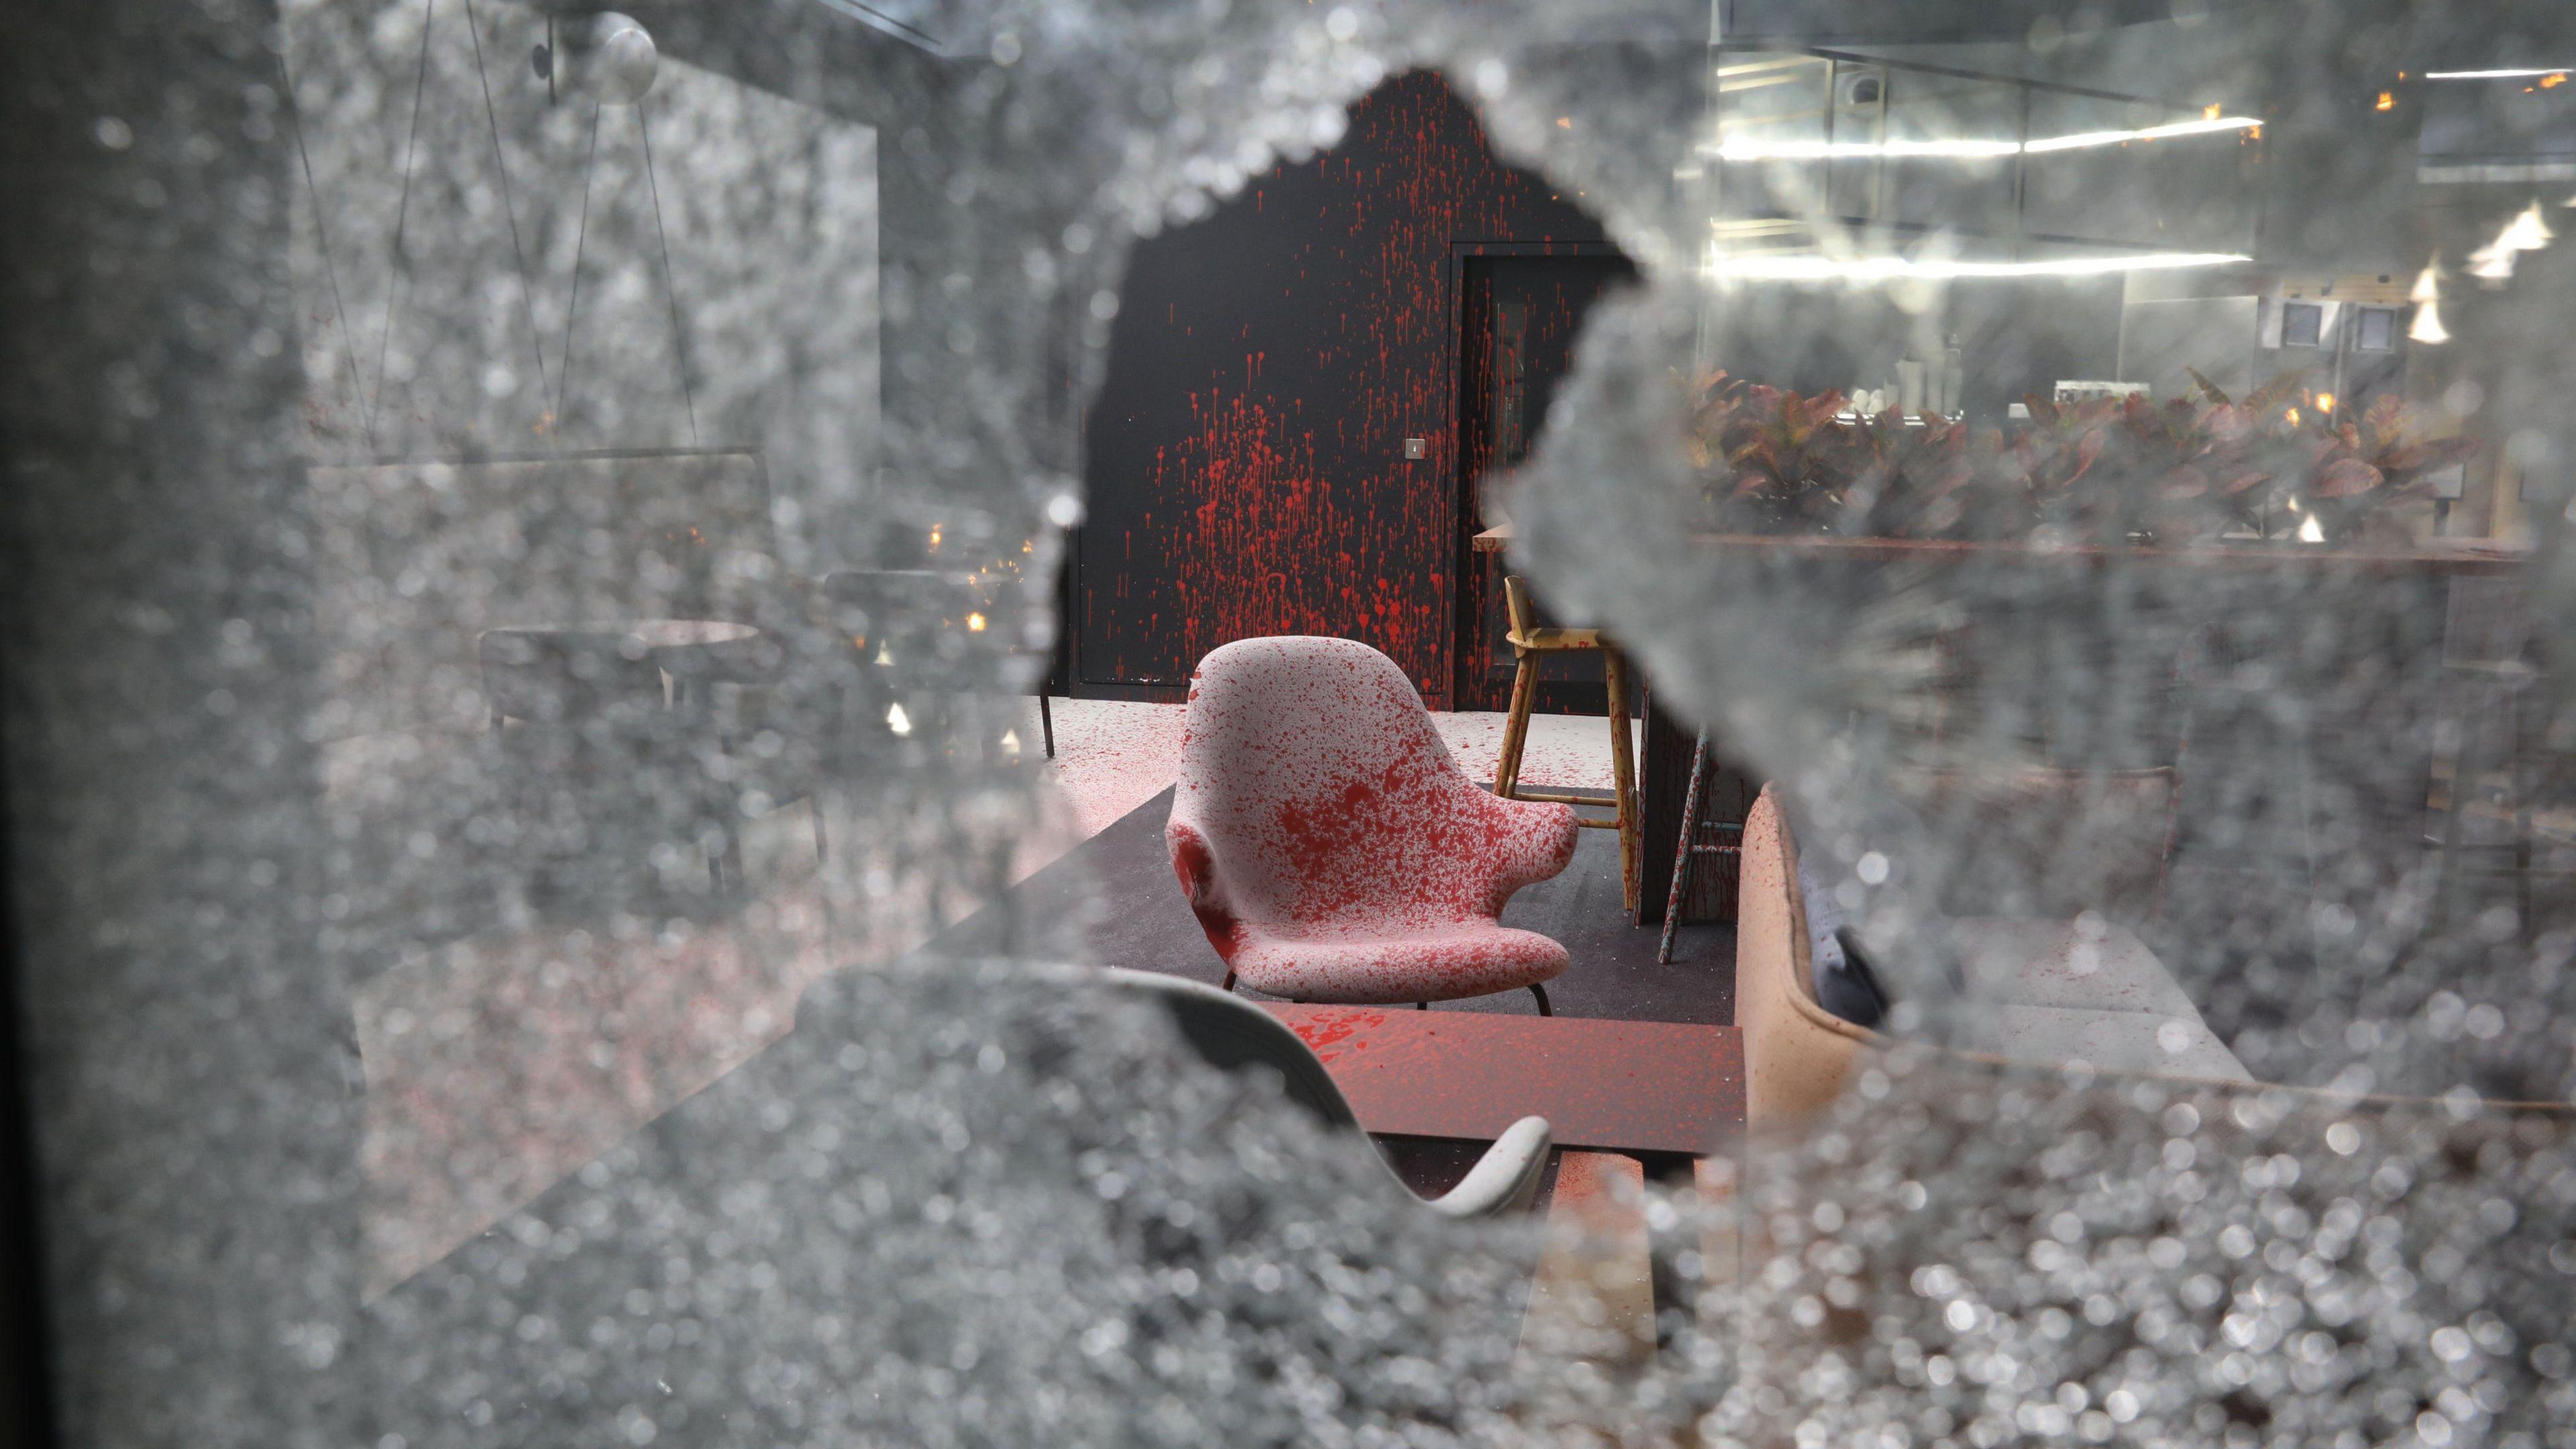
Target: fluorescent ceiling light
[2427,296]
[2493,74]
[1772,63]
[1837,150]
[2527,232]
[2205,127]
[1765,267]
[1738,85]
[1966,149]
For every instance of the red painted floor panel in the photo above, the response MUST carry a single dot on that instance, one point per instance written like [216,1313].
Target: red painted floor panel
[1636,1086]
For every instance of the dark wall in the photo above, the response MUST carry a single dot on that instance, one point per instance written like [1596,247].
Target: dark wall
[1244,459]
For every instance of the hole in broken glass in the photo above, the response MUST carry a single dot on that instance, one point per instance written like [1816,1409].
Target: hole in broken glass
[940,1194]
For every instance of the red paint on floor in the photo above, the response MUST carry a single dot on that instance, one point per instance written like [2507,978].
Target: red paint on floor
[1630,1086]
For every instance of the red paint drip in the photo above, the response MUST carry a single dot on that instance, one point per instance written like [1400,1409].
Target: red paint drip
[1262,532]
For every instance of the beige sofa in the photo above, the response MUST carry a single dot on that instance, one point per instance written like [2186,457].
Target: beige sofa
[2051,993]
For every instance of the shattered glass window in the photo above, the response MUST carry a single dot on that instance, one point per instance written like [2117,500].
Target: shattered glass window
[538,906]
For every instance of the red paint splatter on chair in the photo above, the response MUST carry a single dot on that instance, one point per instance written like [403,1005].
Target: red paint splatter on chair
[1331,846]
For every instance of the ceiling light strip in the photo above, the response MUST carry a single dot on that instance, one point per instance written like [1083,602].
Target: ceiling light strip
[1770,268]
[1969,149]
[2456,75]
[2204,127]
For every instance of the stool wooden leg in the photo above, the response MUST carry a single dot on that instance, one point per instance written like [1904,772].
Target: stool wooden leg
[1507,769]
[1682,856]
[1623,772]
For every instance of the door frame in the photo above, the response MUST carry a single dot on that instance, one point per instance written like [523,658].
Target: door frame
[1460,507]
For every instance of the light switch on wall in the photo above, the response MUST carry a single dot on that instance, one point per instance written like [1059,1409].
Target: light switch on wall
[1415,448]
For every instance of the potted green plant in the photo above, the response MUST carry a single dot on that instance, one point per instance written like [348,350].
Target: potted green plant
[2283,463]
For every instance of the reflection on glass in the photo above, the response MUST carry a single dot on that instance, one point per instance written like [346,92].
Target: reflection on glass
[550,907]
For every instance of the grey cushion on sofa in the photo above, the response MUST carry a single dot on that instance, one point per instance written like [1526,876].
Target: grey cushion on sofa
[1840,974]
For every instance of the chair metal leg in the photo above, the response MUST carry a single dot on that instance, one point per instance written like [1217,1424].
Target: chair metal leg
[1623,777]
[1046,722]
[2468,764]
[2523,870]
[1507,768]
[1422,1006]
[1541,993]
[1682,853]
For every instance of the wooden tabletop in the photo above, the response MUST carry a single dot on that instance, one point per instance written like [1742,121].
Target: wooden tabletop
[2467,556]
[1632,1086]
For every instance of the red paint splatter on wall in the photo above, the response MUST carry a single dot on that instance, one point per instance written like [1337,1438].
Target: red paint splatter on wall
[1258,485]
[1269,547]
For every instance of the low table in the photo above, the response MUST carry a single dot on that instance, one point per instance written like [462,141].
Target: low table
[1620,1086]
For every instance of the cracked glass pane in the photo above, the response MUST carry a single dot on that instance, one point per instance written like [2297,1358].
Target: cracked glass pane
[547,548]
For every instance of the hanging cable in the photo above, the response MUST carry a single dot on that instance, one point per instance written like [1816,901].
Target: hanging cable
[322,235]
[401,272]
[572,308]
[670,289]
[869,14]
[509,209]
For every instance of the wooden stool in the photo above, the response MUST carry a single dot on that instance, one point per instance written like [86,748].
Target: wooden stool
[1529,642]
[1693,845]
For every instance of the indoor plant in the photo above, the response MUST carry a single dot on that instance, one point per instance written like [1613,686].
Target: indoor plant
[2283,463]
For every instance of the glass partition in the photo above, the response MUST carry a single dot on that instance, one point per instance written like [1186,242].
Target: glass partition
[541,543]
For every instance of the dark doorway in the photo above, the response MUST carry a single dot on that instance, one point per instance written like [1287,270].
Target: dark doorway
[1519,316]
